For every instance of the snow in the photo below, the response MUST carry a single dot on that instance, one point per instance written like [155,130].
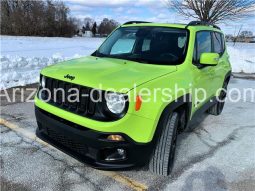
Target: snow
[19,71]
[242,57]
[22,58]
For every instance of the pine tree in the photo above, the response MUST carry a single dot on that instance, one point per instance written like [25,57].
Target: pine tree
[94,29]
[87,26]
[83,29]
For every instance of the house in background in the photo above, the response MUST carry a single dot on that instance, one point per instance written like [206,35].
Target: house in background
[84,33]
[240,38]
[87,34]
[250,39]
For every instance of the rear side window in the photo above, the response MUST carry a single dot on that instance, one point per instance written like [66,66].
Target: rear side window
[218,43]
[203,44]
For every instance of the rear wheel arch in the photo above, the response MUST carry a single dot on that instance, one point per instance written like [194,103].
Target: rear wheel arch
[217,108]
[227,77]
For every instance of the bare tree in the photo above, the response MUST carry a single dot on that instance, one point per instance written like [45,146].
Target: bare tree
[213,11]
[107,26]
[37,18]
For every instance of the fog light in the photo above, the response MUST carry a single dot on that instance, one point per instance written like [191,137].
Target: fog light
[115,138]
[119,154]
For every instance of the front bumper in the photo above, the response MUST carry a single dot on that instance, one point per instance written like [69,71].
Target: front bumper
[89,146]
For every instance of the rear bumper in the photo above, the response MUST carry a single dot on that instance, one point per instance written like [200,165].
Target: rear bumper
[89,146]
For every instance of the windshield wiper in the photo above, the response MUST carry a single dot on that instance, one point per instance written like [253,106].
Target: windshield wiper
[98,54]
[140,60]
[101,55]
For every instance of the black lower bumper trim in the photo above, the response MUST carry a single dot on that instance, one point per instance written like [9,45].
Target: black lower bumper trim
[87,145]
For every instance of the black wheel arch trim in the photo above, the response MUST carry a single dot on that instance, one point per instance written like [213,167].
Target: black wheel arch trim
[228,75]
[184,100]
[171,107]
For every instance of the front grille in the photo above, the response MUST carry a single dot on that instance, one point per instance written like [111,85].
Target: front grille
[83,106]
[67,142]
[87,102]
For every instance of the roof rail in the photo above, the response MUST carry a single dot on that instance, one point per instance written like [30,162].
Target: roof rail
[194,23]
[135,22]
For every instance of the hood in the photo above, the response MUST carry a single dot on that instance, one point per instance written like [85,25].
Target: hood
[105,73]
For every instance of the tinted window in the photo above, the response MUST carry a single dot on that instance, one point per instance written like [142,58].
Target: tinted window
[123,46]
[223,42]
[153,45]
[204,43]
[195,54]
[146,45]
[217,43]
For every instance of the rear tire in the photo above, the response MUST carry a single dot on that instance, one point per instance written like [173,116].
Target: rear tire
[218,107]
[162,160]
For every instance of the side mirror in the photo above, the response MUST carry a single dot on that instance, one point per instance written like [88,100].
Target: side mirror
[209,59]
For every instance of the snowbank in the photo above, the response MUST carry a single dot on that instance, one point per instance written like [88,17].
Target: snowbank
[22,58]
[19,71]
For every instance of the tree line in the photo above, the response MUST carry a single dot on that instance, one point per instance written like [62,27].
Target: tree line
[103,29]
[47,18]
[244,36]
[36,18]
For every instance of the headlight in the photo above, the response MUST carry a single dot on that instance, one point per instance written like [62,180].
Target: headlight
[115,102]
[43,82]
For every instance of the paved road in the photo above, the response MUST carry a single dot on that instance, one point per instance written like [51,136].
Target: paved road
[217,153]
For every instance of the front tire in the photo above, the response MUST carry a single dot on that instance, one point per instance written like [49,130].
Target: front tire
[162,160]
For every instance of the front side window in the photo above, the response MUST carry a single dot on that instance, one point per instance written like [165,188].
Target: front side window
[204,43]
[152,45]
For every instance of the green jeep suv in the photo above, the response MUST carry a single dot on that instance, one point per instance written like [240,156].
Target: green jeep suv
[125,105]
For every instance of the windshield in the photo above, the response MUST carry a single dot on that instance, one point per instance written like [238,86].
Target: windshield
[154,45]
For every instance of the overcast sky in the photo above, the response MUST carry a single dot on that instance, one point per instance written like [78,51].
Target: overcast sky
[146,10]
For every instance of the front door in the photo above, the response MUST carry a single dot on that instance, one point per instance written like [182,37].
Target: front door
[203,76]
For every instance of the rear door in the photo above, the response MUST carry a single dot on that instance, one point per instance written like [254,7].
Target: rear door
[219,71]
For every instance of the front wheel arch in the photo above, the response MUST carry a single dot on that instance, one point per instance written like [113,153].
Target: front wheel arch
[182,103]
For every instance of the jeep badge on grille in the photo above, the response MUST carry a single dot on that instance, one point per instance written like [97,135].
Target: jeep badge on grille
[69,77]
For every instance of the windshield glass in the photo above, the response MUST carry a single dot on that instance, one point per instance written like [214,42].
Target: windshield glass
[154,45]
